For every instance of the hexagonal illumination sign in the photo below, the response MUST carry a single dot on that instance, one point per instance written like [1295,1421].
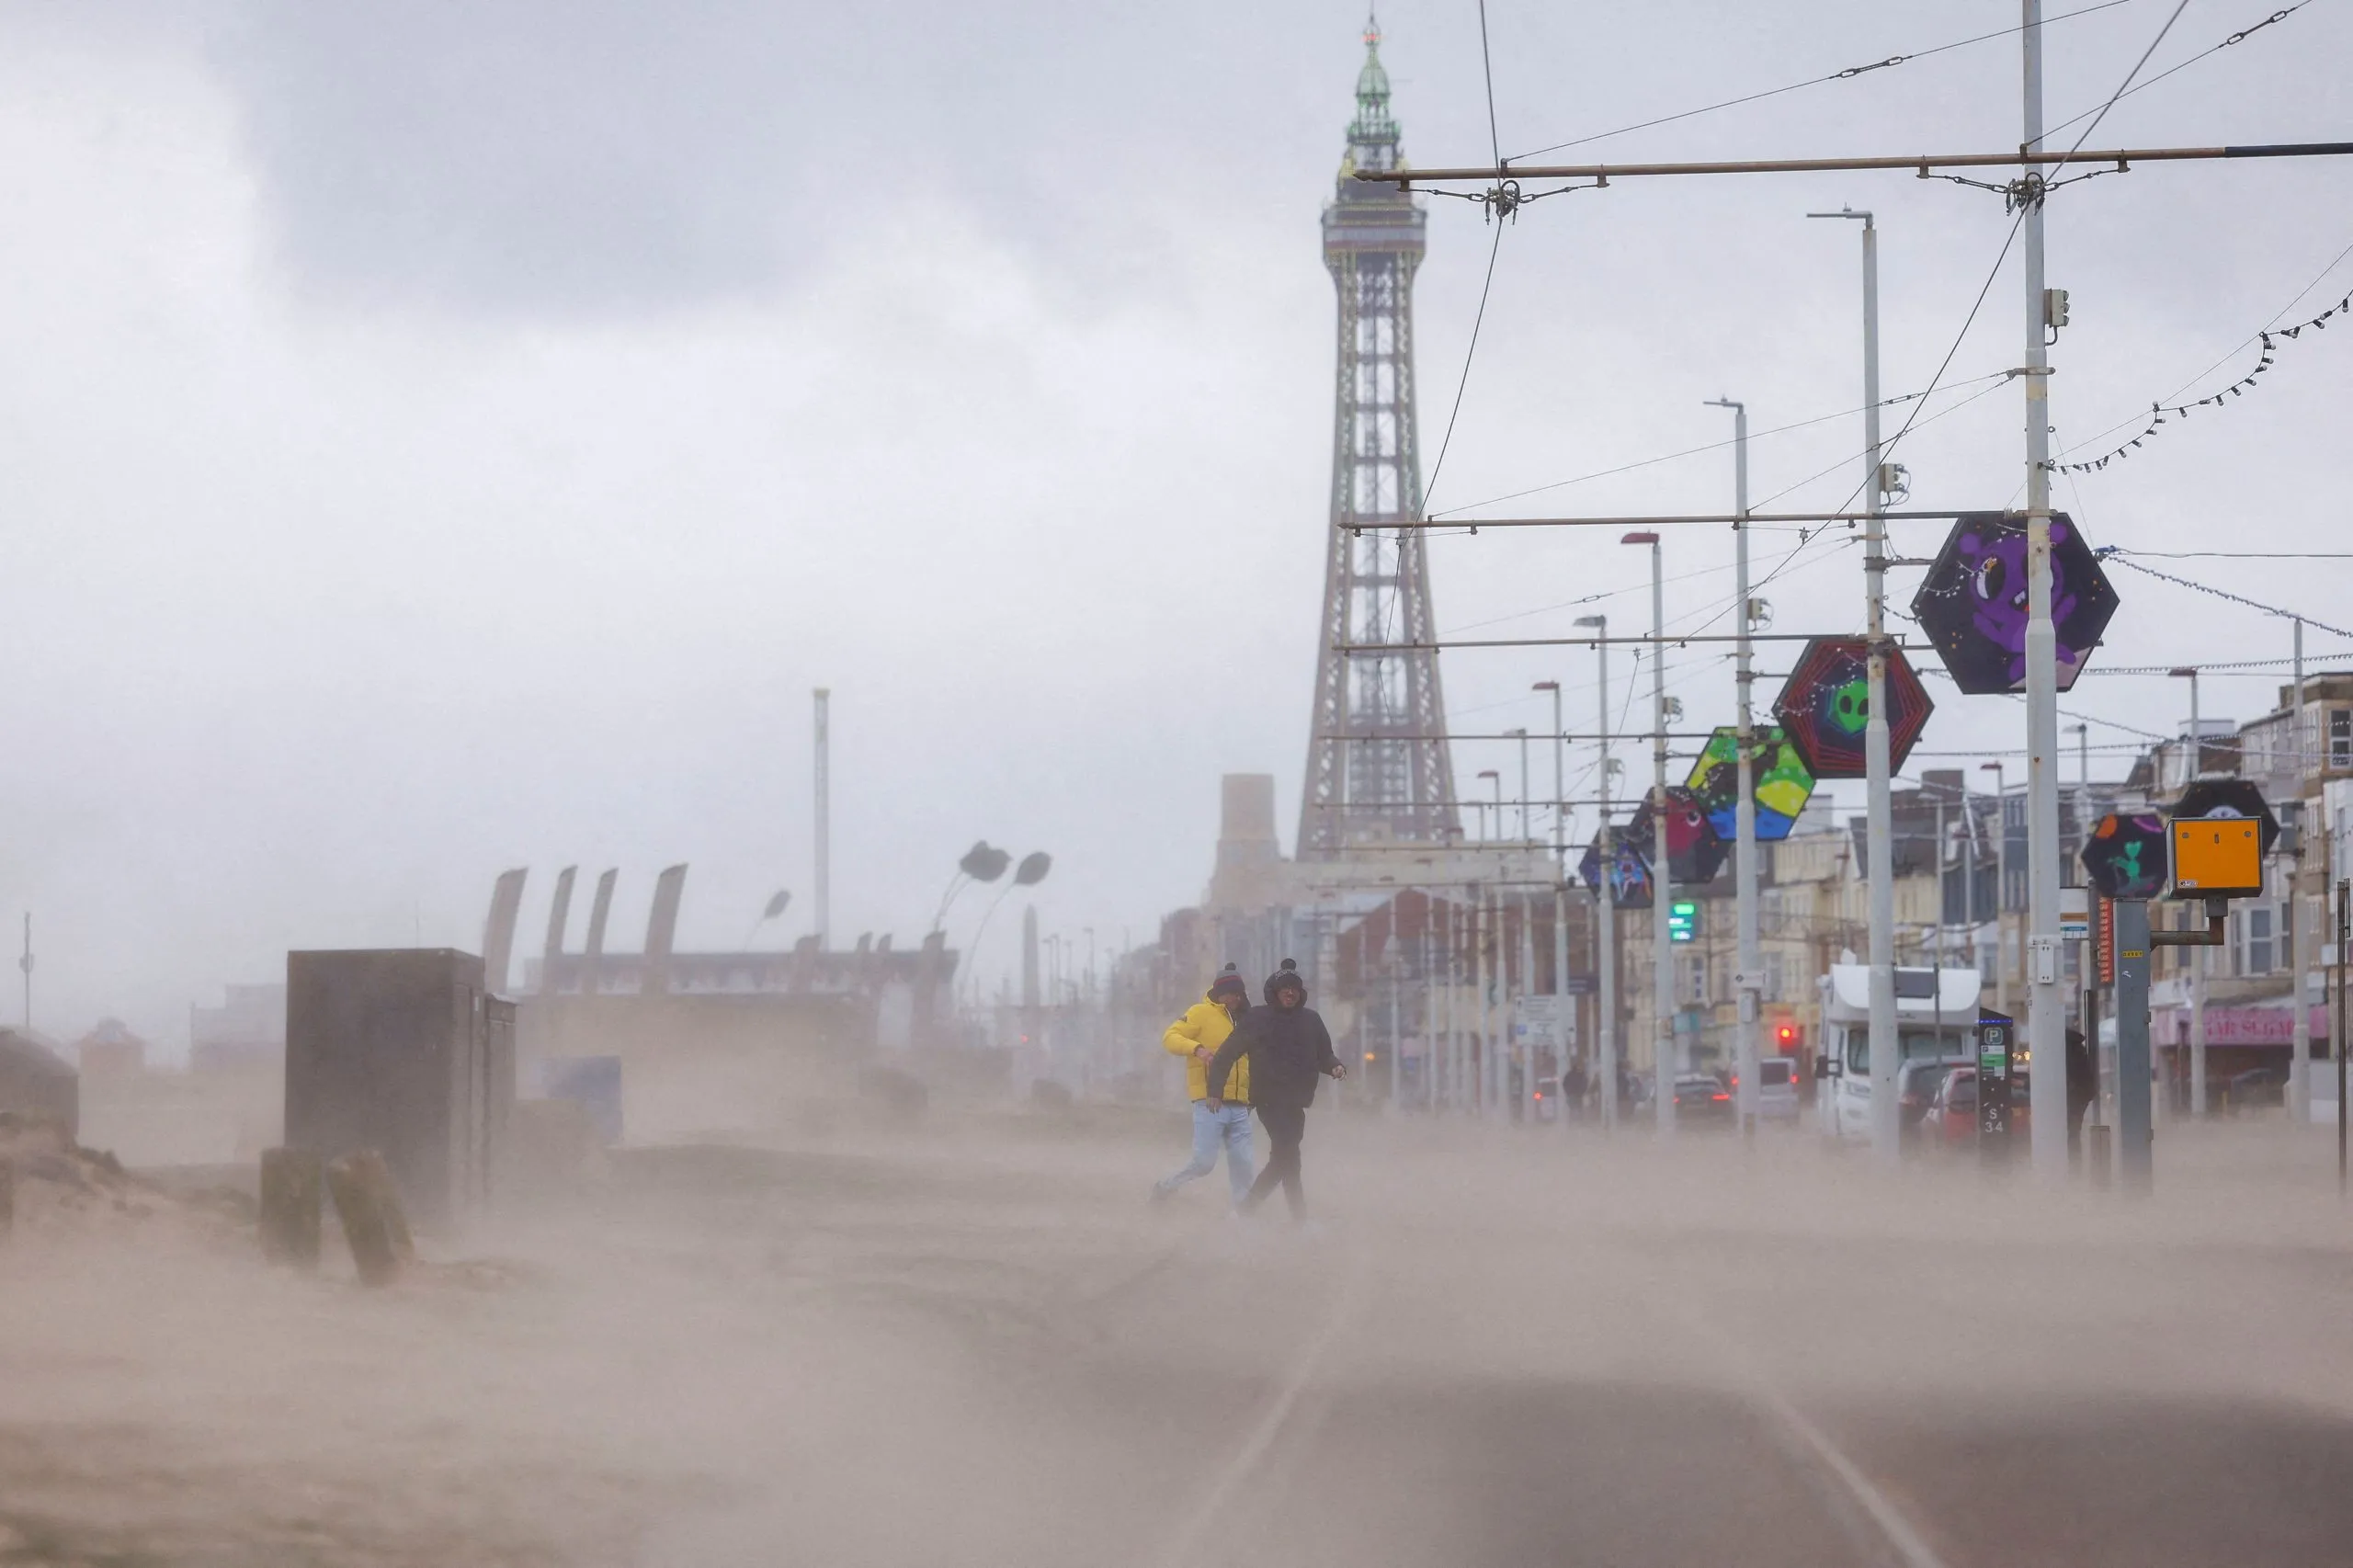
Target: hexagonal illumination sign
[1694,853]
[2125,855]
[2207,799]
[1630,869]
[1783,783]
[1973,603]
[1825,706]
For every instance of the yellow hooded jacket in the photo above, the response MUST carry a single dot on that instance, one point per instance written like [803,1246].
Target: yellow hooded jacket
[1206,1025]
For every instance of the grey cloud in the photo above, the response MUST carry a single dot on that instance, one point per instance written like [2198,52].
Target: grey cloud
[601,157]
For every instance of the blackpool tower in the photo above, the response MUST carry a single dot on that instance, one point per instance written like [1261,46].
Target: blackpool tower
[1378,766]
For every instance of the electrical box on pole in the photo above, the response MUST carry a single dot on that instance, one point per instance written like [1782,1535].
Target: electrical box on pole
[2217,859]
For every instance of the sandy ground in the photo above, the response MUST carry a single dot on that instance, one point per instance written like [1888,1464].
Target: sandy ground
[978,1345]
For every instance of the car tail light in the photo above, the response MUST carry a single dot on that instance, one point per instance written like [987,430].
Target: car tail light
[1719,1096]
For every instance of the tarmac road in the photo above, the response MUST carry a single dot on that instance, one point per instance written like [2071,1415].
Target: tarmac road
[979,1346]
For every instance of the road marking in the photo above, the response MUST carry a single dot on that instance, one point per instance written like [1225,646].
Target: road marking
[1915,1551]
[1185,1548]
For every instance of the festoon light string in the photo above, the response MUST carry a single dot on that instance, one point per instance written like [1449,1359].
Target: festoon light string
[2269,339]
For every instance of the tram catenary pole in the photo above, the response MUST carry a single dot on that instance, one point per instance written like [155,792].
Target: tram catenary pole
[1665,1058]
[1879,831]
[1747,980]
[1562,1030]
[1604,896]
[2046,1018]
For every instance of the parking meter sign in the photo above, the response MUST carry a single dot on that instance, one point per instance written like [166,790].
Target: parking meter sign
[1993,1041]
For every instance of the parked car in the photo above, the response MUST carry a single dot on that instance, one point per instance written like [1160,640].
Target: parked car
[1702,1099]
[1778,1088]
[1916,1082]
[2257,1086]
[1951,1120]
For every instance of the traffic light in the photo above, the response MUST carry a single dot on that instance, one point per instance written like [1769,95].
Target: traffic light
[1785,1038]
[1682,920]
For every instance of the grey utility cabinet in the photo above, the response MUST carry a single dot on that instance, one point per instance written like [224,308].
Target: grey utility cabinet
[401,1051]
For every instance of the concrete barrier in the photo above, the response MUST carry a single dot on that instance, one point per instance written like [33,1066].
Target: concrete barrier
[291,1201]
[373,1222]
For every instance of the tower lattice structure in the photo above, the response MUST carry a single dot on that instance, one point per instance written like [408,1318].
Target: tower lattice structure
[1378,765]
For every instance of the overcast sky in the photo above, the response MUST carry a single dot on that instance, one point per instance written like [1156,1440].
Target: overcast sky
[444,436]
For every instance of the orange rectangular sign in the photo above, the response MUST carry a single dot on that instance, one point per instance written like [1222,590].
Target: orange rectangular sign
[2218,857]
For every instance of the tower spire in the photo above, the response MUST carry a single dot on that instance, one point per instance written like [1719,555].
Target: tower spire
[1378,765]
[1373,127]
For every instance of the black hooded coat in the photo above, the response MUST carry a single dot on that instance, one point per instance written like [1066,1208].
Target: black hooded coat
[1288,1050]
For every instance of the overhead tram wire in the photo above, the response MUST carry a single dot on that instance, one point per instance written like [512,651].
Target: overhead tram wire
[2031,189]
[2124,558]
[2239,37]
[1848,74]
[1450,513]
[2182,390]
[1487,286]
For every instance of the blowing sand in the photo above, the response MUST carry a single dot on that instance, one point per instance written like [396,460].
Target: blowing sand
[974,1343]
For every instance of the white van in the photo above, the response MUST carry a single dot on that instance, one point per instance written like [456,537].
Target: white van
[1936,1017]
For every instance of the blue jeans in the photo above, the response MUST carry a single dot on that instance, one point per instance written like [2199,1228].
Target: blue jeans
[1230,1127]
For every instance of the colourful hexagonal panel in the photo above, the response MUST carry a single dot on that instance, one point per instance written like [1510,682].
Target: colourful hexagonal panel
[2125,855]
[1630,869]
[1825,707]
[1973,602]
[1694,853]
[1783,783]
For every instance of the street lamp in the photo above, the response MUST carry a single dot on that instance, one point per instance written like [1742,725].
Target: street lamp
[1560,903]
[2196,767]
[1665,1064]
[1745,787]
[1605,956]
[981,863]
[1522,734]
[1560,740]
[1027,874]
[2001,860]
[775,907]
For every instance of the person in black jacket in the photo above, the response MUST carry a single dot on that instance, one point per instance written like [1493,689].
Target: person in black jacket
[1289,1049]
[2082,1089]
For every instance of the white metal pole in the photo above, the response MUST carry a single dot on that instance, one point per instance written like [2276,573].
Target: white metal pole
[1523,785]
[1429,999]
[2299,1051]
[1665,1062]
[1749,980]
[2196,955]
[1479,939]
[1452,1065]
[1878,830]
[1606,903]
[1496,1032]
[823,815]
[1526,1051]
[1562,1018]
[2046,1016]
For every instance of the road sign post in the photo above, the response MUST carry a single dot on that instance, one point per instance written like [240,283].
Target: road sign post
[2133,1132]
[1993,1042]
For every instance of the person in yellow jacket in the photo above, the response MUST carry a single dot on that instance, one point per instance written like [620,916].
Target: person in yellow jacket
[1196,1037]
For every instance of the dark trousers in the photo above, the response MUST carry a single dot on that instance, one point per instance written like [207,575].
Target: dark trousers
[1285,1125]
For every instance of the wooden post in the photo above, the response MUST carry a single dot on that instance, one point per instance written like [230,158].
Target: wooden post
[290,1204]
[373,1223]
